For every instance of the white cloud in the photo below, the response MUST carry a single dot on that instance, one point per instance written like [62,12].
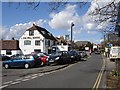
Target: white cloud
[89,26]
[92,32]
[84,25]
[63,19]
[101,40]
[4,32]
[17,30]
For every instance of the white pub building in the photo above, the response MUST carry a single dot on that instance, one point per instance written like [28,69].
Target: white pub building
[36,39]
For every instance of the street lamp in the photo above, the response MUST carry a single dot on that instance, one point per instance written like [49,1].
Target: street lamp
[72,24]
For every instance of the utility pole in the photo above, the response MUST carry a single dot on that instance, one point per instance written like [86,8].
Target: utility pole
[72,24]
[104,41]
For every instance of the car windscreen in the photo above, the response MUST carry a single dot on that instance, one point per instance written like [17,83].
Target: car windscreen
[42,54]
[56,54]
[17,57]
[46,54]
[28,57]
[115,50]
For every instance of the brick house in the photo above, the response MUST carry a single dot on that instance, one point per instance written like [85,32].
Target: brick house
[9,47]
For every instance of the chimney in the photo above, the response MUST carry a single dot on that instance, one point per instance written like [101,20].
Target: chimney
[34,24]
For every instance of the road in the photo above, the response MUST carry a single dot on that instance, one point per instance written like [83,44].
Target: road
[82,74]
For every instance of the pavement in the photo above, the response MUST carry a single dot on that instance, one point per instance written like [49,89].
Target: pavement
[109,66]
[0,73]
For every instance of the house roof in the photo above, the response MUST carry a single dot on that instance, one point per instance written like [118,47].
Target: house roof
[80,43]
[43,31]
[9,45]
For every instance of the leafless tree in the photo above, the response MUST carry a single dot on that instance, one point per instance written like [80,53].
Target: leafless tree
[107,13]
[53,6]
[110,13]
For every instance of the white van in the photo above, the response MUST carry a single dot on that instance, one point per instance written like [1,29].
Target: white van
[114,53]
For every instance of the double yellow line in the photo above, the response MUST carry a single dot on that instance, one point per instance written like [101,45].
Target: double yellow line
[98,80]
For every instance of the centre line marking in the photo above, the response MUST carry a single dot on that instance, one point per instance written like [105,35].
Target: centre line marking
[8,82]
[3,86]
[16,82]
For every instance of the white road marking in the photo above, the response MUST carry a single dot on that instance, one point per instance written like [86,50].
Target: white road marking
[99,77]
[34,74]
[102,71]
[8,82]
[34,77]
[19,79]
[16,82]
[41,74]
[25,79]
[3,86]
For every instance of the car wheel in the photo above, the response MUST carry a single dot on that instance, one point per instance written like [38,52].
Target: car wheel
[42,63]
[26,66]
[6,66]
[48,64]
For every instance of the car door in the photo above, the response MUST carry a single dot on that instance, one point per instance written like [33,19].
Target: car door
[18,61]
[119,52]
[65,57]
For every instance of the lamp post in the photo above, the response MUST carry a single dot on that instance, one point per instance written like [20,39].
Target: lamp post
[72,24]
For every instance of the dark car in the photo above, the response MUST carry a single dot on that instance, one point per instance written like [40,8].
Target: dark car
[25,61]
[4,57]
[97,52]
[74,55]
[83,54]
[60,57]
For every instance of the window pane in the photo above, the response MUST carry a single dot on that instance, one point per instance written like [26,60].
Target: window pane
[37,42]
[8,52]
[31,33]
[48,42]
[27,42]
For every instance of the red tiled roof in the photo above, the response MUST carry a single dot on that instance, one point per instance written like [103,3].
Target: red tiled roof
[9,45]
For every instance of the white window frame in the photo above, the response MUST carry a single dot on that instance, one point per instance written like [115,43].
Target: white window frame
[27,42]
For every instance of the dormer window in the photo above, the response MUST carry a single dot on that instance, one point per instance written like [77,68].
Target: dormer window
[50,34]
[31,32]
[43,32]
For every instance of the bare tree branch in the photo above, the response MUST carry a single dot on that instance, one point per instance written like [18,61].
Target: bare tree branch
[106,13]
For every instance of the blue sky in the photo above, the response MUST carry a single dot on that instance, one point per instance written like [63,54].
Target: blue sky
[16,21]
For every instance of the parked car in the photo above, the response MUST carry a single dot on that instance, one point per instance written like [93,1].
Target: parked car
[25,61]
[83,54]
[60,57]
[97,52]
[42,56]
[4,57]
[15,55]
[114,53]
[74,55]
